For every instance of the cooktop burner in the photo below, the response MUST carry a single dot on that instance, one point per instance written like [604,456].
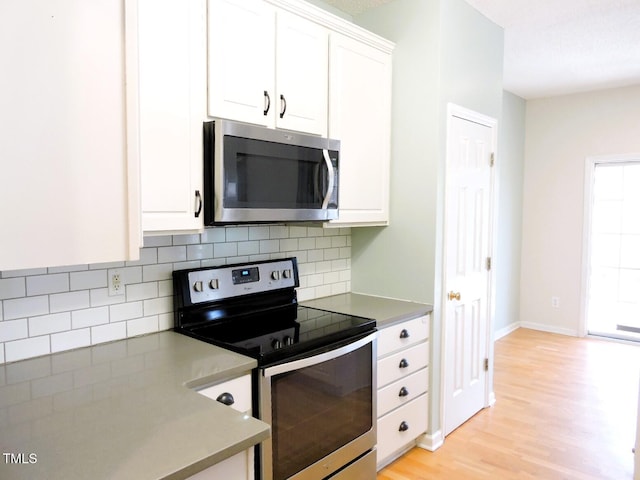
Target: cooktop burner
[252,309]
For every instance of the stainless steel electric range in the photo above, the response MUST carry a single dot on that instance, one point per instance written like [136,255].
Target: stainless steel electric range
[315,382]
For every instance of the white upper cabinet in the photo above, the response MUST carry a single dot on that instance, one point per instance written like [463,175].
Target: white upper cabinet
[267,66]
[241,61]
[67,145]
[172,107]
[302,51]
[360,117]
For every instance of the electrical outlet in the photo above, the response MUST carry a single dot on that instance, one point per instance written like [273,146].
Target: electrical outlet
[116,284]
[555,302]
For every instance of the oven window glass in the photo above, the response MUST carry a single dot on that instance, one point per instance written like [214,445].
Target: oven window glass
[260,174]
[318,409]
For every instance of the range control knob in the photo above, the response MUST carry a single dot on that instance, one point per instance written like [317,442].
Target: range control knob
[275,274]
[286,273]
[276,344]
[288,340]
[213,284]
[197,286]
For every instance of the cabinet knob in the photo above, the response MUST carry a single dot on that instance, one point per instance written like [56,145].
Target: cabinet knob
[226,398]
[404,426]
[403,363]
[404,333]
[403,392]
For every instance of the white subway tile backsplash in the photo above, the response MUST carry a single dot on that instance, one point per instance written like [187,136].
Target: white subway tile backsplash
[213,235]
[63,302]
[155,306]
[186,239]
[172,254]
[160,271]
[237,234]
[141,326]
[165,288]
[200,251]
[12,288]
[68,268]
[126,311]
[23,273]
[46,324]
[70,340]
[269,246]
[27,348]
[109,332]
[229,249]
[141,291]
[63,308]
[251,247]
[89,279]
[13,330]
[25,307]
[45,284]
[258,233]
[89,317]
[157,241]
[100,297]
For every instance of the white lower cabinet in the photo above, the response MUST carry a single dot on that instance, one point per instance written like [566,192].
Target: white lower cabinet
[241,465]
[403,383]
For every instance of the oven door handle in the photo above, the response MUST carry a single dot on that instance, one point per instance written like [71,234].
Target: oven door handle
[316,359]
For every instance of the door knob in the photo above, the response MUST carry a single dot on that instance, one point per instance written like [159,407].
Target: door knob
[454,295]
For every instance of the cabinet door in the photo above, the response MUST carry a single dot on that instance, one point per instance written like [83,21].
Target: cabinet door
[172,84]
[65,142]
[241,61]
[301,74]
[360,117]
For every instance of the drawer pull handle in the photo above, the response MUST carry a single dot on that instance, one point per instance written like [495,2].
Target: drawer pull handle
[403,363]
[404,333]
[404,426]
[226,398]
[403,392]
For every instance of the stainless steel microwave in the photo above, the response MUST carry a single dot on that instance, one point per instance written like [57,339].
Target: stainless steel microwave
[258,174]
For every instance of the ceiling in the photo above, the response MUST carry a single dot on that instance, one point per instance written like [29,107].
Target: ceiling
[557,47]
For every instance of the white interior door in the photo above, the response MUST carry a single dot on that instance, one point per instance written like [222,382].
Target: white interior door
[467,278]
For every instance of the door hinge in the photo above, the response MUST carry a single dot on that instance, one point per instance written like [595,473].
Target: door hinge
[492,159]
[488,263]
[486,364]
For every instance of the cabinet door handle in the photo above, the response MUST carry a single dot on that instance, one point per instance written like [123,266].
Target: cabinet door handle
[404,333]
[226,398]
[283,102]
[199,203]
[403,392]
[404,426]
[403,363]
[267,99]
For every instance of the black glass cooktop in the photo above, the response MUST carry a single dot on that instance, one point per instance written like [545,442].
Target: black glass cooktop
[281,333]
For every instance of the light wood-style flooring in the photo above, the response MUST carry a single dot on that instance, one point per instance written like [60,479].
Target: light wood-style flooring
[565,409]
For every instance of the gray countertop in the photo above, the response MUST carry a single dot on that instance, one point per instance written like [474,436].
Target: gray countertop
[385,311]
[122,410]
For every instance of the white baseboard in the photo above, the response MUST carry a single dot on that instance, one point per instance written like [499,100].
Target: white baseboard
[504,331]
[431,442]
[549,328]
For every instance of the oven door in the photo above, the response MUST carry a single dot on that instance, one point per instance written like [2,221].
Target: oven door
[321,410]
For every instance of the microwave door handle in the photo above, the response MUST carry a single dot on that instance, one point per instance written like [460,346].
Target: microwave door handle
[330,170]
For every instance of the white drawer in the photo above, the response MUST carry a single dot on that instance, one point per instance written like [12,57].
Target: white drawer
[398,429]
[239,388]
[393,367]
[403,391]
[401,335]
